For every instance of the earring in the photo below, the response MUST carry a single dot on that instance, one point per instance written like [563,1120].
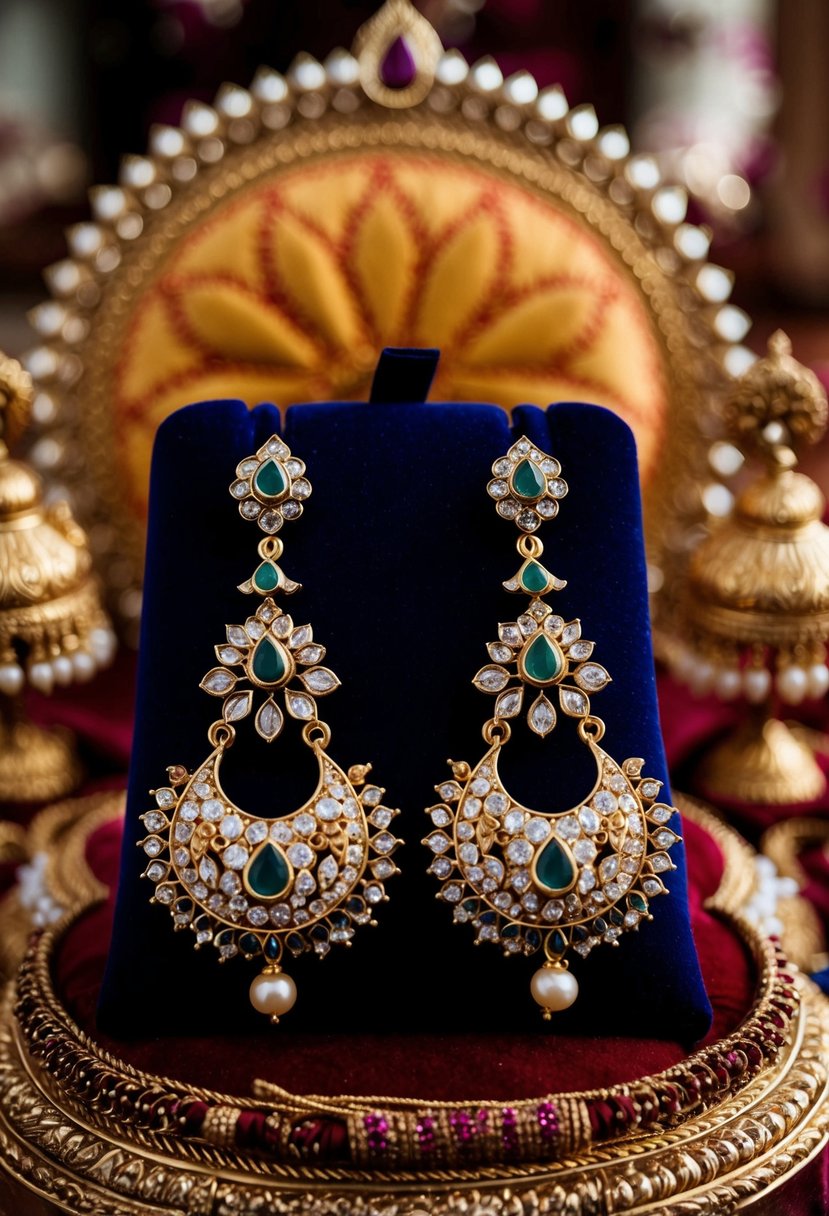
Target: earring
[253,886]
[525,879]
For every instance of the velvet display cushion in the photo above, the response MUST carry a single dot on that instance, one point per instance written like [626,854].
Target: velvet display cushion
[401,556]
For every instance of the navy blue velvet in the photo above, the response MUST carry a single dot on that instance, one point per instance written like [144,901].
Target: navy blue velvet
[404,375]
[401,556]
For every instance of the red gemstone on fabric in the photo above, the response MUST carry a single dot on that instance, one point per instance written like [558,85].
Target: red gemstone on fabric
[397,69]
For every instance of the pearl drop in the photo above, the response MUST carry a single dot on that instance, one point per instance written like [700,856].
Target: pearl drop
[554,988]
[41,677]
[102,644]
[273,993]
[11,678]
[728,683]
[62,670]
[817,680]
[756,684]
[701,677]
[83,665]
[791,685]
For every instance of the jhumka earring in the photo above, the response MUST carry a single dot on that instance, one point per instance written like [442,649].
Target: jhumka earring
[252,886]
[530,880]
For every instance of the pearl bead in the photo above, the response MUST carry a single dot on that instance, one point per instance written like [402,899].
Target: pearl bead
[701,677]
[11,678]
[102,644]
[756,684]
[728,683]
[41,677]
[818,680]
[791,685]
[62,670]
[554,989]
[273,993]
[83,666]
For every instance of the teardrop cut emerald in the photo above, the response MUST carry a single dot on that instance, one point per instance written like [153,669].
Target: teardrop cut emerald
[555,869]
[267,873]
[534,579]
[528,481]
[541,661]
[266,577]
[268,664]
[638,902]
[270,480]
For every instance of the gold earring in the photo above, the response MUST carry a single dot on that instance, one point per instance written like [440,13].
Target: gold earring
[253,886]
[528,880]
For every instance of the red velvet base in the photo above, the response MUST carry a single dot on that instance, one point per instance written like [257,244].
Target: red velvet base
[431,1066]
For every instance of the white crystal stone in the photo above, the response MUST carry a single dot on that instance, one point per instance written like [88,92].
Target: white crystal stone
[573,702]
[609,868]
[519,851]
[320,680]
[542,716]
[604,802]
[592,677]
[237,706]
[212,810]
[382,817]
[300,855]
[537,830]
[584,851]
[300,706]
[498,489]
[153,846]
[465,831]
[218,681]
[568,828]
[480,786]
[586,883]
[491,679]
[208,871]
[438,842]
[589,820]
[441,817]
[384,843]
[514,821]
[231,827]
[511,634]
[235,857]
[468,853]
[328,809]
[257,832]
[496,803]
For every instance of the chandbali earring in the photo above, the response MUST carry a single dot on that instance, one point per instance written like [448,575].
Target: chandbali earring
[254,886]
[529,880]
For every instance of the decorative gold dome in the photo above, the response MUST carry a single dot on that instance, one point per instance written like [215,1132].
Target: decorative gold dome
[757,597]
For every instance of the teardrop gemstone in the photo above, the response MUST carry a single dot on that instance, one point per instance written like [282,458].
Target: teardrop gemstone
[534,578]
[267,874]
[268,664]
[266,577]
[270,480]
[541,660]
[638,902]
[527,481]
[554,868]
[397,69]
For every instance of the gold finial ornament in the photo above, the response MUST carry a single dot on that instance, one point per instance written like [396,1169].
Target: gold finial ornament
[757,599]
[397,51]
[53,630]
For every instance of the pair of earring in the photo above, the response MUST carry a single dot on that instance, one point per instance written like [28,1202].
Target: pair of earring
[526,880]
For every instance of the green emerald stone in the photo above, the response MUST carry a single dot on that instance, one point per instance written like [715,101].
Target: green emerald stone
[268,665]
[638,902]
[542,660]
[270,480]
[268,873]
[528,480]
[266,577]
[555,868]
[534,578]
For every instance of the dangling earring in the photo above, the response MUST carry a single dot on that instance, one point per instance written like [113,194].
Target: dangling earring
[525,879]
[252,886]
